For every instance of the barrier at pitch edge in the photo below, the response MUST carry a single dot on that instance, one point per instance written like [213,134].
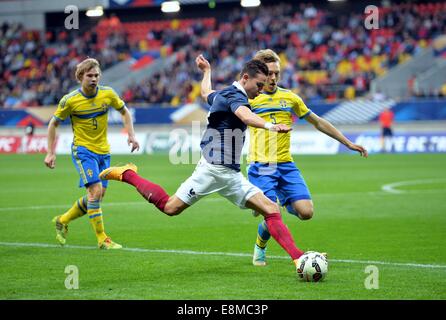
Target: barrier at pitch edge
[117,141]
[23,144]
[408,142]
[165,142]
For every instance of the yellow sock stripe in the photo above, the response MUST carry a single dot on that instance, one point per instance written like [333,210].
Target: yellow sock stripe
[82,205]
[260,242]
[92,212]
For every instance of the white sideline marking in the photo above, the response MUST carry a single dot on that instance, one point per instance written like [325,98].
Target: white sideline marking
[209,253]
[66,206]
[391,187]
[142,202]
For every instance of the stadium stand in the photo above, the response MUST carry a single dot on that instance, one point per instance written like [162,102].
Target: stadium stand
[336,61]
[37,68]
[325,56]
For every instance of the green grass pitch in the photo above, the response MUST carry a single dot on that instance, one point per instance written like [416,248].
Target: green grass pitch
[205,253]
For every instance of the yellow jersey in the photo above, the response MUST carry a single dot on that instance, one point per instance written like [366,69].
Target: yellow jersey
[89,116]
[276,107]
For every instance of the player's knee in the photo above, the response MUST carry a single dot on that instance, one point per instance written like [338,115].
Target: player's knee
[306,214]
[172,210]
[94,196]
[94,193]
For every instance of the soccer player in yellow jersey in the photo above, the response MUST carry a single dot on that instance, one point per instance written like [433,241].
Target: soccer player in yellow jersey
[271,165]
[88,109]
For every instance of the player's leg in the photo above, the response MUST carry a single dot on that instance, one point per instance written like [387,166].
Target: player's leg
[150,191]
[274,223]
[174,206]
[244,194]
[293,192]
[199,184]
[155,194]
[104,163]
[263,235]
[77,210]
[88,165]
[383,140]
[388,138]
[94,211]
[264,177]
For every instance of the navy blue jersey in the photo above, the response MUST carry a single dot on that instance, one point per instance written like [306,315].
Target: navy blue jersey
[222,142]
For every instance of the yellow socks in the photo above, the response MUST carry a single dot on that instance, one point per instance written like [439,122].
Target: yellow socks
[78,209]
[95,214]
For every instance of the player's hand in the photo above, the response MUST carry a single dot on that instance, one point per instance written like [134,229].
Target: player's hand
[282,128]
[132,141]
[356,147]
[50,160]
[202,63]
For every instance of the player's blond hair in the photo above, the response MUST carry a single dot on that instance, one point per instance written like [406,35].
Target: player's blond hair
[86,66]
[267,56]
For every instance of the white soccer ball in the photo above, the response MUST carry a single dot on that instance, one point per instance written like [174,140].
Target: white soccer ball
[312,266]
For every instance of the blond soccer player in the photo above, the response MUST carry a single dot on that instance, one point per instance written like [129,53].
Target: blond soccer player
[88,107]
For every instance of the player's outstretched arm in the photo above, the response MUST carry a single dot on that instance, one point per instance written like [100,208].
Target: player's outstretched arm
[128,125]
[251,119]
[327,128]
[50,158]
[206,84]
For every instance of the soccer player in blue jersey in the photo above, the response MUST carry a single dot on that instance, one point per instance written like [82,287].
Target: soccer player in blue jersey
[219,167]
[271,165]
[88,109]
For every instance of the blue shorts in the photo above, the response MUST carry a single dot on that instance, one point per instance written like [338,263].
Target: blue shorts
[281,181]
[89,165]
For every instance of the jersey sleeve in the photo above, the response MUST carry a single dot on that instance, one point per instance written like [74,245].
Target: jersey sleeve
[116,102]
[299,107]
[211,97]
[63,109]
[237,100]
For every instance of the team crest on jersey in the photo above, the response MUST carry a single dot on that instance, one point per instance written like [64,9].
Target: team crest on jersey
[282,103]
[90,173]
